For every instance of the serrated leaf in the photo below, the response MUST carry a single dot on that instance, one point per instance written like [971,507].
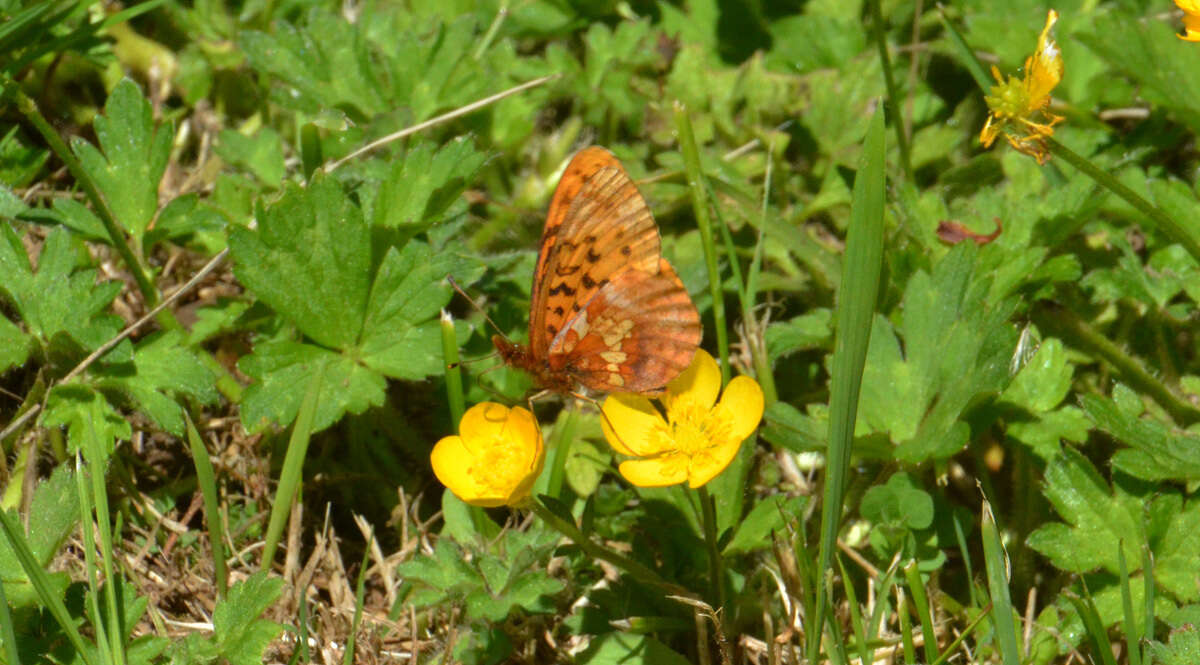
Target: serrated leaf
[52,517]
[1045,434]
[1095,519]
[73,215]
[14,345]
[1099,518]
[239,636]
[163,370]
[281,370]
[957,348]
[422,186]
[58,299]
[80,408]
[261,154]
[401,336]
[309,260]
[183,217]
[808,331]
[134,157]
[1156,452]
[1182,647]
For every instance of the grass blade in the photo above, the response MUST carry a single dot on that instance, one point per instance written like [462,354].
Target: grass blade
[921,601]
[995,561]
[293,466]
[207,480]
[695,179]
[855,307]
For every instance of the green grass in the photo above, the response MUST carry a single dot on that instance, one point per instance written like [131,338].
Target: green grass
[228,343]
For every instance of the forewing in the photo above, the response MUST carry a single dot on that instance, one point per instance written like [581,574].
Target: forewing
[637,332]
[606,228]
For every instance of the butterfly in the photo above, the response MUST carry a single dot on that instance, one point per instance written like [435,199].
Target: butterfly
[606,311]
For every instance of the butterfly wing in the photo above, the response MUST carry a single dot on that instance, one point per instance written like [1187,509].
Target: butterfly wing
[638,331]
[608,310]
[598,225]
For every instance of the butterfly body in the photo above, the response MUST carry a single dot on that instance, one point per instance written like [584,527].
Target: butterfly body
[607,312]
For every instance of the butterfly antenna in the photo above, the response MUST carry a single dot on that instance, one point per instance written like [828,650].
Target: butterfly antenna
[454,284]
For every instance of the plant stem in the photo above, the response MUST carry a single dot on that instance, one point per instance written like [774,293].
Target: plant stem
[454,383]
[716,571]
[890,103]
[564,435]
[635,569]
[1161,220]
[1064,324]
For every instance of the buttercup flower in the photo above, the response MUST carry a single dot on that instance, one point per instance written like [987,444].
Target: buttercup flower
[696,440]
[1018,106]
[1191,19]
[495,458]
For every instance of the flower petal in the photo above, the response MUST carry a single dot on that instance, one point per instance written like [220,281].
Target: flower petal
[710,463]
[699,384]
[485,420]
[451,463]
[744,400]
[656,471]
[634,419]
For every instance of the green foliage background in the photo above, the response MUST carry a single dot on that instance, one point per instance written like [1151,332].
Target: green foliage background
[1053,370]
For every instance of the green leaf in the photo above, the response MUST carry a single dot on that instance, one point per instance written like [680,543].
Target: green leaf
[52,517]
[14,345]
[899,502]
[163,370]
[766,517]
[184,216]
[1182,647]
[260,154]
[629,649]
[134,157]
[1043,382]
[422,186]
[1098,518]
[64,308]
[956,353]
[242,635]
[81,408]
[73,215]
[807,331]
[282,369]
[402,336]
[1156,452]
[309,260]
[239,636]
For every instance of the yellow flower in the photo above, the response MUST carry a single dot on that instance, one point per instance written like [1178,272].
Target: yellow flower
[696,440]
[495,458]
[1018,106]
[1191,19]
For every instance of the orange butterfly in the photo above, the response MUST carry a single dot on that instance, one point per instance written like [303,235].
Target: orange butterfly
[607,311]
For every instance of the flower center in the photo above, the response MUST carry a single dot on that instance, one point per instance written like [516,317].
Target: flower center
[498,466]
[694,429]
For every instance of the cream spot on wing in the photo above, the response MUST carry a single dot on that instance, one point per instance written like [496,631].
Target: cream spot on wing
[612,367]
[580,327]
[614,356]
[616,380]
[613,332]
